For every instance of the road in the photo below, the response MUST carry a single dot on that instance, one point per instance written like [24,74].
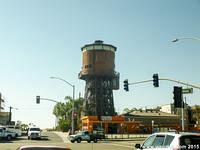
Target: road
[50,138]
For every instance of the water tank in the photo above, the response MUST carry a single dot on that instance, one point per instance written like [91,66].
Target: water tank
[98,59]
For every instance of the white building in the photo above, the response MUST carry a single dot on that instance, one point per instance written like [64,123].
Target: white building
[168,108]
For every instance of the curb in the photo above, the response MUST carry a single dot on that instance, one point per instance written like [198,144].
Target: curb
[63,136]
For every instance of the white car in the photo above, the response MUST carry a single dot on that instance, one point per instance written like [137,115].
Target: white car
[6,134]
[17,131]
[34,133]
[170,141]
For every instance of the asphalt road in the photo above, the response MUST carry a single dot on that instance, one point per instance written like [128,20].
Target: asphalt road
[50,138]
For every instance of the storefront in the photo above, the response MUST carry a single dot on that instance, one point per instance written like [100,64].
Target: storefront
[138,122]
[110,124]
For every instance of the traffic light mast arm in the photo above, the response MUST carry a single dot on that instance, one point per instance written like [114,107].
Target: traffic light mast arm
[180,82]
[140,82]
[49,100]
[167,79]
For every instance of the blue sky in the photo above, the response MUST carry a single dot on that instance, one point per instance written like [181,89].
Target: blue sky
[43,38]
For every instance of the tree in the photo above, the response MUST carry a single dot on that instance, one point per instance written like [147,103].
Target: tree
[63,124]
[196,113]
[126,110]
[78,109]
[63,111]
[24,127]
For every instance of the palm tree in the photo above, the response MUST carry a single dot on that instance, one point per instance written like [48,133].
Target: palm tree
[196,113]
[63,111]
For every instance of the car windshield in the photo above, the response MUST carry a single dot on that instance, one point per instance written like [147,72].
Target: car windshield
[149,141]
[34,129]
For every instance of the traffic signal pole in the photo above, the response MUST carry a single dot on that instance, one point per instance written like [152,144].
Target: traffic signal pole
[181,82]
[182,117]
[144,81]
[47,99]
[176,90]
[167,79]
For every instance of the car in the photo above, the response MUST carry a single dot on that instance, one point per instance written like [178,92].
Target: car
[170,141]
[15,129]
[99,133]
[29,147]
[83,136]
[6,134]
[34,133]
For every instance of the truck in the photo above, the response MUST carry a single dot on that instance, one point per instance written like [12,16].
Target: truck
[84,136]
[34,133]
[6,134]
[15,129]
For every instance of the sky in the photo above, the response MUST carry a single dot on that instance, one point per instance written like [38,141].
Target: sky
[43,38]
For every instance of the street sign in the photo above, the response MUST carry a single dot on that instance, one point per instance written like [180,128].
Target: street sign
[187,91]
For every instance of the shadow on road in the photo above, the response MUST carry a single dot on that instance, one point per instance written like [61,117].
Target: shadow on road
[5,141]
[43,138]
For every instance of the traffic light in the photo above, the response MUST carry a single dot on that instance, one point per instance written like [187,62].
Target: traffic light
[178,97]
[126,85]
[37,99]
[155,80]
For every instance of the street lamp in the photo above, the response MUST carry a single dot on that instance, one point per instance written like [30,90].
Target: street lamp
[186,38]
[182,103]
[73,86]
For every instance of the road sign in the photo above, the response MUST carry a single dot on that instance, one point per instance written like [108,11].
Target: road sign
[187,91]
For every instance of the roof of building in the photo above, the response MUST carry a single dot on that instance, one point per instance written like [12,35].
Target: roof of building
[149,113]
[4,114]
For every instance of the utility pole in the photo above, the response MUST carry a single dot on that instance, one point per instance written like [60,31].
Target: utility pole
[9,121]
[182,116]
[10,115]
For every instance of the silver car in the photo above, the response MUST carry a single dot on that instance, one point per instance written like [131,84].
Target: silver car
[171,141]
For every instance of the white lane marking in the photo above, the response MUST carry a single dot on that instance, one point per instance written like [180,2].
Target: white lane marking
[119,145]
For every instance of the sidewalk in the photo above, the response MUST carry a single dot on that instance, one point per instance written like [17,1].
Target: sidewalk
[126,136]
[63,135]
[110,137]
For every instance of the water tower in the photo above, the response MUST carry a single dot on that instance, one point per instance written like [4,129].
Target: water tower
[98,70]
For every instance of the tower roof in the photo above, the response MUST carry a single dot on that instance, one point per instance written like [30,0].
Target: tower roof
[99,45]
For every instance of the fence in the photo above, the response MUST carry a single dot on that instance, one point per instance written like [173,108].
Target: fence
[126,136]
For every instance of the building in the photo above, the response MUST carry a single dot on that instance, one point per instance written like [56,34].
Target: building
[141,121]
[1,103]
[145,121]
[110,124]
[4,116]
[154,120]
[168,108]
